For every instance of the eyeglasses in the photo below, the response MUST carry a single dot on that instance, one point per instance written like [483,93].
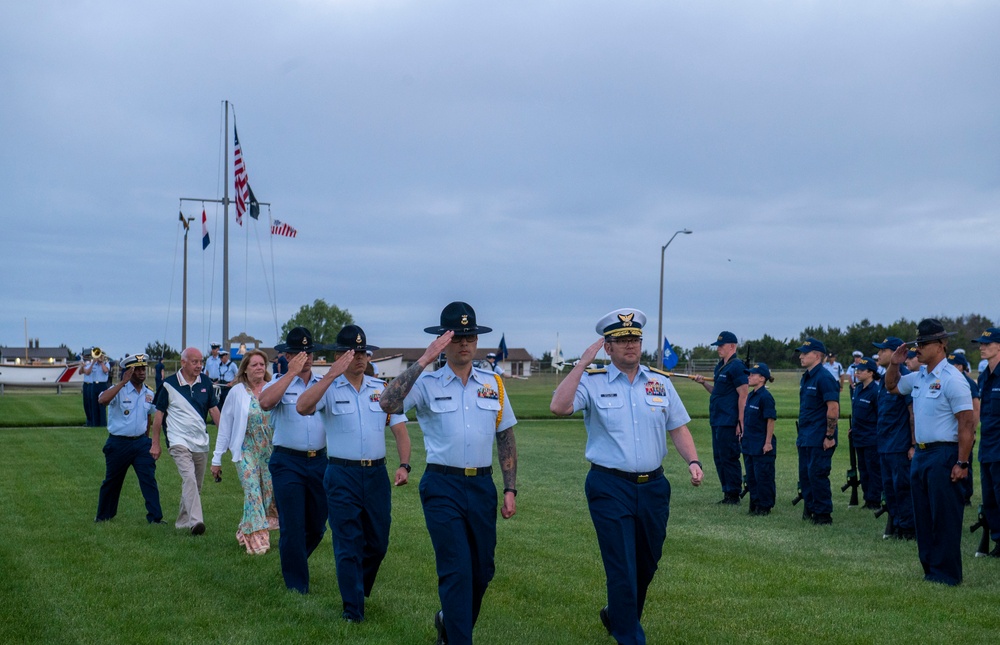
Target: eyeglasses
[925,343]
[626,341]
[468,339]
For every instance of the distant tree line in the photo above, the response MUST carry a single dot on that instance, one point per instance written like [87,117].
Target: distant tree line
[857,336]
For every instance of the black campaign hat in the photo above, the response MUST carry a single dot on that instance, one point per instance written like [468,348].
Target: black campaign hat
[460,318]
[352,337]
[298,340]
[931,329]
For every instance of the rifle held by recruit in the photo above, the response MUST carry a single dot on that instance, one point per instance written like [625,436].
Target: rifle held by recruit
[852,475]
[884,509]
[984,541]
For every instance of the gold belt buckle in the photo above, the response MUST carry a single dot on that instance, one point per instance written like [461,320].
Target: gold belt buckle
[642,479]
[310,453]
[366,462]
[922,446]
[471,472]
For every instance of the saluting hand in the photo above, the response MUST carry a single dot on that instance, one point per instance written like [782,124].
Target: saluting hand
[899,355]
[127,376]
[436,347]
[590,353]
[341,364]
[297,362]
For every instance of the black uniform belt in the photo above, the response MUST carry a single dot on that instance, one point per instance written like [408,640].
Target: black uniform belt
[118,436]
[936,444]
[362,463]
[635,478]
[467,472]
[308,454]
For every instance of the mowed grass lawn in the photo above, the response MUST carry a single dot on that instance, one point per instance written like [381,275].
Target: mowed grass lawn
[725,577]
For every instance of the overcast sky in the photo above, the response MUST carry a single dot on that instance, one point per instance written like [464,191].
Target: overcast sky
[835,160]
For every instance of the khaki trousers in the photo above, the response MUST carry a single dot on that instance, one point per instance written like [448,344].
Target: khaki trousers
[191,467]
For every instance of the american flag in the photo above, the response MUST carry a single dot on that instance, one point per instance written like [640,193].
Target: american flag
[241,179]
[280,228]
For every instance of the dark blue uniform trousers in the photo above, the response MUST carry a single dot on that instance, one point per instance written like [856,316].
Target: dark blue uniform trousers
[301,502]
[814,477]
[726,453]
[100,412]
[760,479]
[89,402]
[989,477]
[119,454]
[896,484]
[461,517]
[359,500]
[870,473]
[631,524]
[938,509]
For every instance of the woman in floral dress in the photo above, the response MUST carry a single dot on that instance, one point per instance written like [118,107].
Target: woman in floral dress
[245,431]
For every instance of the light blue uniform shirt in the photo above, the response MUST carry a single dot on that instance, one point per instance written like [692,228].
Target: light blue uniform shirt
[129,411]
[98,374]
[459,422]
[88,378]
[354,422]
[627,423]
[212,365]
[291,429]
[937,396]
[228,371]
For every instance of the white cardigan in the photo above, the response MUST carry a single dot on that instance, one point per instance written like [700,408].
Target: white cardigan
[233,424]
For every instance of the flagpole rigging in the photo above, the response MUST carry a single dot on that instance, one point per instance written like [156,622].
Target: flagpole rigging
[225,238]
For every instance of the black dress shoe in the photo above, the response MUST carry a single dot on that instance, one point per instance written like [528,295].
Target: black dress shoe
[730,500]
[807,515]
[605,619]
[822,518]
[198,529]
[442,638]
[873,506]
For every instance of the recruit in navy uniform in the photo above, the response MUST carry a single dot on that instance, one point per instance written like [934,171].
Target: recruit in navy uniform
[628,411]
[358,491]
[298,462]
[462,410]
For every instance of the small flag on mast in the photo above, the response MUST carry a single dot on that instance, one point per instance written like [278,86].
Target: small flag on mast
[204,231]
[670,357]
[502,351]
[241,178]
[254,204]
[280,228]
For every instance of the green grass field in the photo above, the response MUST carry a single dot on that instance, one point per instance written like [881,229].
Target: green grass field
[725,577]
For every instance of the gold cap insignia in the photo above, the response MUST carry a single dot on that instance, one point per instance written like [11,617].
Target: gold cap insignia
[358,339]
[626,319]
[305,341]
[465,319]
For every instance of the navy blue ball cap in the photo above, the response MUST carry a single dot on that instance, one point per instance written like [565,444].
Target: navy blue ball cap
[725,338]
[891,342]
[867,364]
[959,359]
[458,317]
[991,335]
[760,368]
[812,345]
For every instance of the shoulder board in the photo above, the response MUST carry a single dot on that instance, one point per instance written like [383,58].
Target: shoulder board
[600,370]
[661,372]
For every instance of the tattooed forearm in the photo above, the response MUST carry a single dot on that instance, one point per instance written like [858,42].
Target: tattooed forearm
[507,454]
[831,426]
[394,393]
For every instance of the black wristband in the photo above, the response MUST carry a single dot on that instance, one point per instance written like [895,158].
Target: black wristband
[510,490]
[695,461]
[405,466]
[831,437]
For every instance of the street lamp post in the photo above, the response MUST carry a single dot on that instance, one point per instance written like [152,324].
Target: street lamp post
[659,336]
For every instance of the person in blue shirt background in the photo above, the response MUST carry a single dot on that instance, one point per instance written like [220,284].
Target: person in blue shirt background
[727,400]
[819,410]
[961,363]
[759,443]
[864,431]
[989,439]
[895,448]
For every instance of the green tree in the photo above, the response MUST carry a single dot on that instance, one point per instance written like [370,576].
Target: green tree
[323,320]
[156,349]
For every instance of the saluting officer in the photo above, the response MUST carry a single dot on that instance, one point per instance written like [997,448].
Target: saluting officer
[130,408]
[628,411]
[819,409]
[298,462]
[942,417]
[358,493]
[461,409]
[725,414]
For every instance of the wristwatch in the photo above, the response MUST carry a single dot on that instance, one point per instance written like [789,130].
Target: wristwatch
[962,464]
[406,466]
